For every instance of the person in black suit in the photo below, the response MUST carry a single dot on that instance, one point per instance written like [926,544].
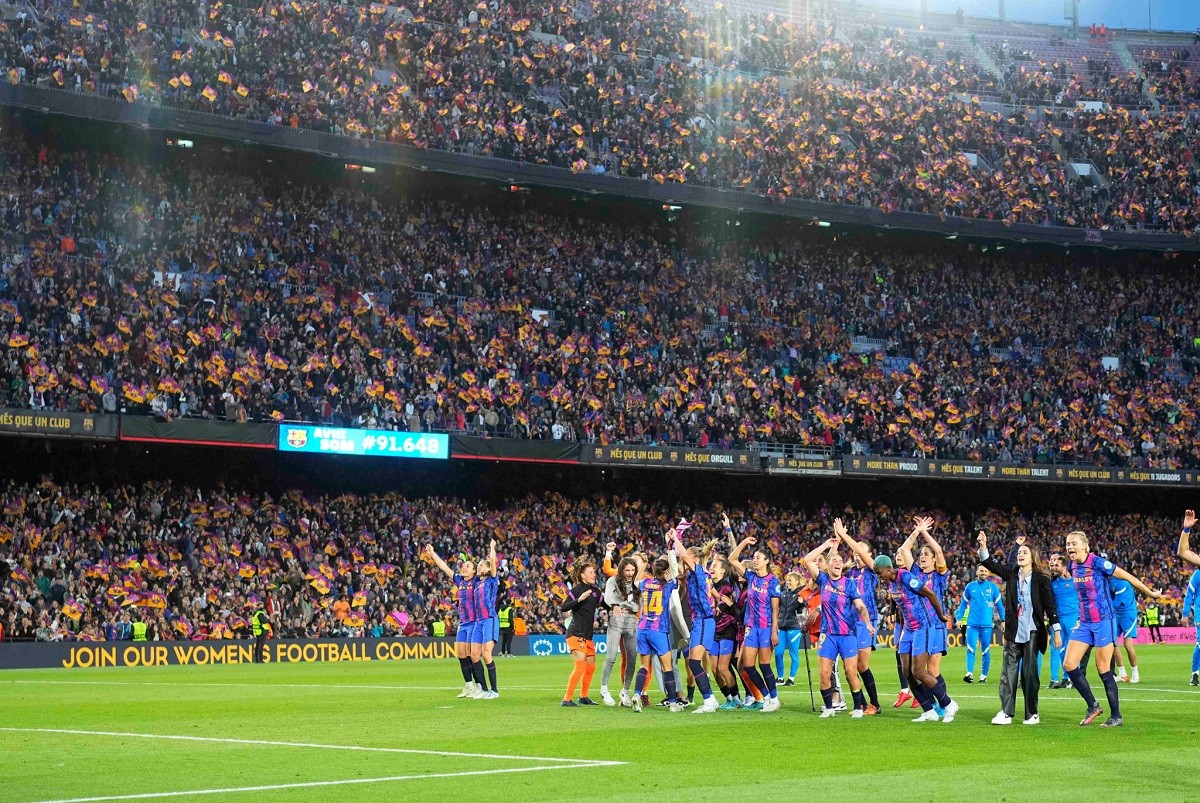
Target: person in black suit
[1030,598]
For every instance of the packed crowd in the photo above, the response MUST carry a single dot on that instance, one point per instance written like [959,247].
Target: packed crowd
[126,288]
[870,115]
[1174,79]
[81,562]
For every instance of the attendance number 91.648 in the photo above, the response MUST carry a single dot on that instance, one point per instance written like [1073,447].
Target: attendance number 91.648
[405,444]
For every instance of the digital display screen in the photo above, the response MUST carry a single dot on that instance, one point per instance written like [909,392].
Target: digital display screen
[363,442]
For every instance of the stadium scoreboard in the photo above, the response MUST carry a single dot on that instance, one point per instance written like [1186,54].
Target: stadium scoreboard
[364,442]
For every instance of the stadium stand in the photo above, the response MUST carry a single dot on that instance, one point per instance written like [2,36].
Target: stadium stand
[197,292]
[853,112]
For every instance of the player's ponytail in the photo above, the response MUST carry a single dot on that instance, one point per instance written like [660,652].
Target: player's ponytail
[704,554]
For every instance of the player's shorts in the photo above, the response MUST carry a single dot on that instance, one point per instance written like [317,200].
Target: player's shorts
[483,630]
[1127,625]
[723,646]
[935,641]
[866,641]
[919,644]
[758,638]
[1067,625]
[832,646]
[584,645]
[703,634]
[904,641]
[653,642]
[1095,634]
[463,634]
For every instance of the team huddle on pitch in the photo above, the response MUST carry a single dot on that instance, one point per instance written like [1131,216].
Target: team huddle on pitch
[733,618]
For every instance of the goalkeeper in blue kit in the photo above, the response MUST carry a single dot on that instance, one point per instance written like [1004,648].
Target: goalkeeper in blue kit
[981,604]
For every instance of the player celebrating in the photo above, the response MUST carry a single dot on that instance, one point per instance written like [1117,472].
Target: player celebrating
[839,635]
[928,638]
[582,601]
[901,637]
[1191,599]
[863,575]
[485,632]
[1066,602]
[1096,626]
[468,613]
[981,603]
[725,594]
[702,633]
[653,631]
[762,621]
[932,562]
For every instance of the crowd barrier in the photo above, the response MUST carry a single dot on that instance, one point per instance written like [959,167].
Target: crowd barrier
[1170,635]
[87,655]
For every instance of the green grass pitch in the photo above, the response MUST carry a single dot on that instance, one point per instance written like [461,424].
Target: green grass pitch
[383,731]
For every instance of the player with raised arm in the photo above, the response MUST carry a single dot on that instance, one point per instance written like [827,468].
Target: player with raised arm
[841,606]
[762,621]
[863,575]
[926,610]
[702,633]
[725,592]
[464,587]
[1096,628]
[485,632]
[932,562]
[1066,602]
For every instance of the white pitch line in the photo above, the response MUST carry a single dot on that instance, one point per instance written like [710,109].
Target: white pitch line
[1139,687]
[311,784]
[310,746]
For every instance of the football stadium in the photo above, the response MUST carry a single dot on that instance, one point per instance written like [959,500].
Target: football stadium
[599,399]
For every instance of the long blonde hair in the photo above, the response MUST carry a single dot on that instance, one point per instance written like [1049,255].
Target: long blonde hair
[704,553]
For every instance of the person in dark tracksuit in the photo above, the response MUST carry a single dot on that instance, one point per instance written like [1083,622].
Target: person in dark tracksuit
[790,630]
